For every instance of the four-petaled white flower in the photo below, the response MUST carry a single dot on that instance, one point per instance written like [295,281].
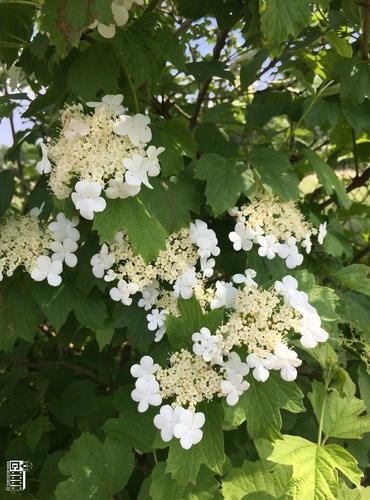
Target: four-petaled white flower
[122,292]
[137,170]
[322,233]
[87,199]
[149,294]
[268,246]
[260,366]
[145,368]
[64,228]
[153,164]
[306,243]
[64,251]
[286,360]
[185,285]
[188,429]
[224,296]
[289,251]
[76,128]
[120,189]
[311,331]
[47,269]
[156,319]
[102,261]
[206,266]
[246,278]
[241,237]
[146,393]
[288,288]
[205,345]
[120,15]
[235,364]
[204,238]
[44,165]
[233,387]
[166,420]
[136,127]
[110,102]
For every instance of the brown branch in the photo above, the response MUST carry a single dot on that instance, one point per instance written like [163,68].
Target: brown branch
[357,182]
[365,4]
[185,25]
[153,4]
[204,89]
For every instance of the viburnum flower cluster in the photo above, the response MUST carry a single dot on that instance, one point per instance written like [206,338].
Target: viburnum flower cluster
[39,248]
[258,323]
[179,271]
[277,227]
[106,153]
[120,13]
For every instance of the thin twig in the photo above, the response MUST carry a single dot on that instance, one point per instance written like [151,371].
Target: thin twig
[365,30]
[357,182]
[153,4]
[185,25]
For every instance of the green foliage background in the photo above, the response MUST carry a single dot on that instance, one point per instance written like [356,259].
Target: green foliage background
[239,92]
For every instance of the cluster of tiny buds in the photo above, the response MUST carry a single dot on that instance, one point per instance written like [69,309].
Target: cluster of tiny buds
[276,226]
[104,151]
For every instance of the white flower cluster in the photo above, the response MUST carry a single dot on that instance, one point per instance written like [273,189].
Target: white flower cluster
[25,241]
[106,152]
[120,13]
[276,226]
[179,271]
[260,321]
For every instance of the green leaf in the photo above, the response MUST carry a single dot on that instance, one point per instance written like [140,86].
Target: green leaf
[248,70]
[178,142]
[16,26]
[358,116]
[78,400]
[327,177]
[212,140]
[134,318]
[275,172]
[94,70]
[204,70]
[226,180]
[34,429]
[171,201]
[341,415]
[191,320]
[7,187]
[104,336]
[282,18]
[314,467]
[260,406]
[364,385]
[163,486]
[356,277]
[255,479]
[146,235]
[354,76]
[96,470]
[16,297]
[324,299]
[340,45]
[183,464]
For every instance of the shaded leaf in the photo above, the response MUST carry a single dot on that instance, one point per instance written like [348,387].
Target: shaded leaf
[282,18]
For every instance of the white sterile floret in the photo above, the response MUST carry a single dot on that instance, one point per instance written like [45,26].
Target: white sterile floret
[235,364]
[306,243]
[159,334]
[185,284]
[286,360]
[206,266]
[87,199]
[234,212]
[289,251]
[152,153]
[135,127]
[288,288]
[166,420]
[137,170]
[44,165]
[120,15]
[149,294]
[156,319]
[64,228]
[260,366]
[311,331]
[120,189]
[204,238]
[37,211]
[76,128]
[47,269]
[110,102]
[268,246]
[224,296]
[241,237]
[322,233]
[246,278]
[102,261]
[233,387]
[64,251]
[145,368]
[205,345]
[188,428]
[146,393]
[123,291]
